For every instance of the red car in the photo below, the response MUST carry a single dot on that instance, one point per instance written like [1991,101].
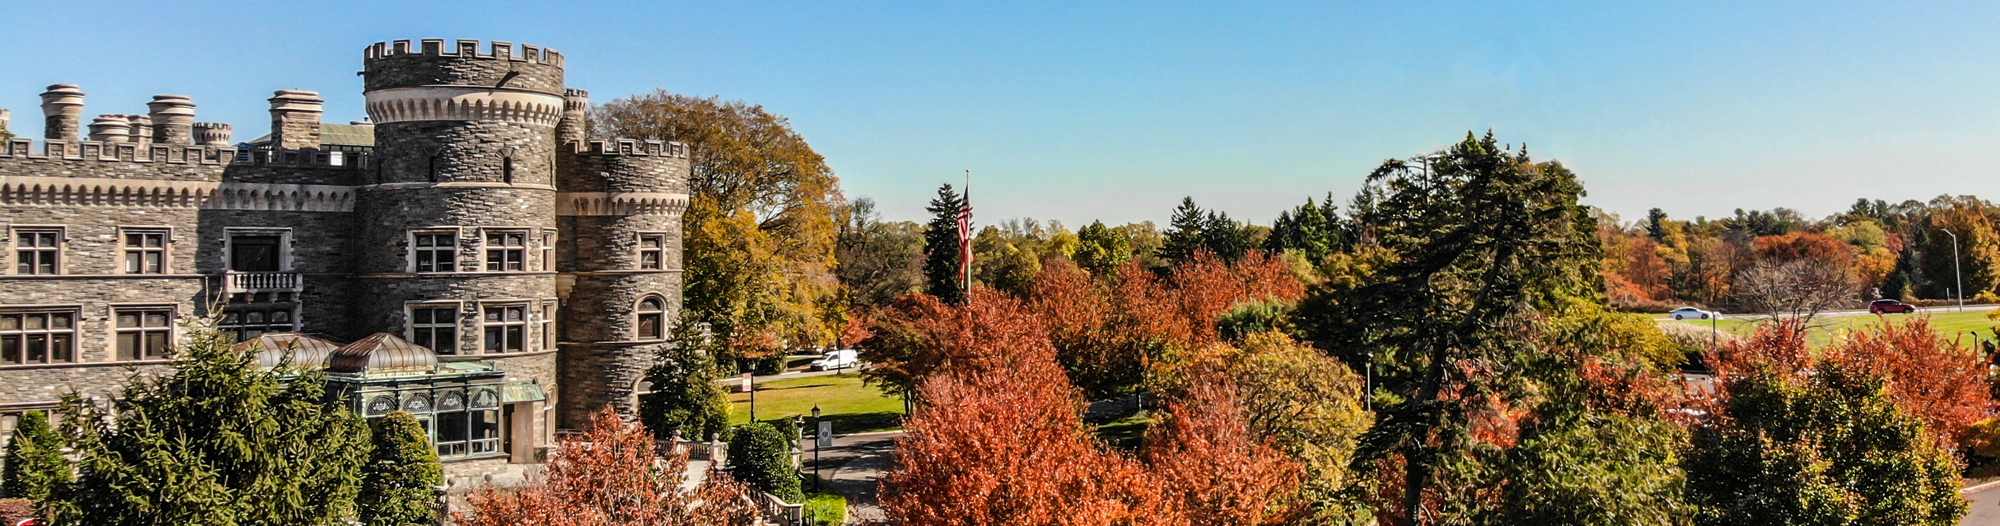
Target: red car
[1890,306]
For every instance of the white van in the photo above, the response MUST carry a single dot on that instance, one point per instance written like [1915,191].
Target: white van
[839,359]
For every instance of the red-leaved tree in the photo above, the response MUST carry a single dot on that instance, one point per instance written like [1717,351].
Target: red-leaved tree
[1929,376]
[610,476]
[1210,463]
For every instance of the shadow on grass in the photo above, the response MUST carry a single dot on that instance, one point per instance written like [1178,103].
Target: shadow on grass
[847,424]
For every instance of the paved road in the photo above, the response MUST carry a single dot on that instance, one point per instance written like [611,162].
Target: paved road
[853,466]
[1985,509]
[1852,312]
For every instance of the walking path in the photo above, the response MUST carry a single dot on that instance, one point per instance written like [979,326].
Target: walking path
[853,467]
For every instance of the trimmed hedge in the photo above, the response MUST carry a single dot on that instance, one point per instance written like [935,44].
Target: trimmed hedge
[762,456]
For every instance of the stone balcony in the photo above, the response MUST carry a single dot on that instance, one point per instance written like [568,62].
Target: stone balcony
[234,282]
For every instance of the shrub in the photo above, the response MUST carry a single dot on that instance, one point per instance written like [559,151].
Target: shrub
[685,400]
[762,455]
[826,509]
[399,483]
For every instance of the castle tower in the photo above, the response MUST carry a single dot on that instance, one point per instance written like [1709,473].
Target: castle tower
[575,124]
[456,219]
[62,111]
[217,134]
[621,219]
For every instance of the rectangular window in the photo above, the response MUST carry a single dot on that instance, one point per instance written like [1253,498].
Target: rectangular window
[144,333]
[435,328]
[37,251]
[548,251]
[548,326]
[506,250]
[250,320]
[255,253]
[436,251]
[452,433]
[652,251]
[485,431]
[506,327]
[145,251]
[37,337]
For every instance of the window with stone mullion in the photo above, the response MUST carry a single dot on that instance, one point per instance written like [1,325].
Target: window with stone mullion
[36,251]
[506,250]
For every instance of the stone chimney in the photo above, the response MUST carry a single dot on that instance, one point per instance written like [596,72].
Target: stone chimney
[62,111]
[295,119]
[173,119]
[6,117]
[217,134]
[142,129]
[111,128]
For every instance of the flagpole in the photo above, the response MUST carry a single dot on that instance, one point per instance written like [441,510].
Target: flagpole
[968,233]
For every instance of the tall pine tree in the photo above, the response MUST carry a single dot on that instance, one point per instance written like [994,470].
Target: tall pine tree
[400,484]
[35,463]
[1185,233]
[944,273]
[220,441]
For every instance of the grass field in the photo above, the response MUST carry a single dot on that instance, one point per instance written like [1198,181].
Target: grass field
[842,399]
[1825,329]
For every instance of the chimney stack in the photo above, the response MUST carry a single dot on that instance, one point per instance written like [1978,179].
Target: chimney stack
[111,128]
[173,119]
[295,119]
[5,118]
[215,134]
[142,129]
[62,111]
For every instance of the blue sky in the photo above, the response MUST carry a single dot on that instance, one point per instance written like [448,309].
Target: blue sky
[1096,110]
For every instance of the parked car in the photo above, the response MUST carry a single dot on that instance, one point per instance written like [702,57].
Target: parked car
[1691,313]
[840,359]
[1890,306]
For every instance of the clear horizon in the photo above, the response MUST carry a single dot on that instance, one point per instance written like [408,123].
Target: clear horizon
[1113,112]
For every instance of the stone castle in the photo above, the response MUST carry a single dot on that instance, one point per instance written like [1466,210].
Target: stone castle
[467,255]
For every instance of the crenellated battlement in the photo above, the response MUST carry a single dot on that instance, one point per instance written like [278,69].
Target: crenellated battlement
[464,49]
[633,147]
[23,149]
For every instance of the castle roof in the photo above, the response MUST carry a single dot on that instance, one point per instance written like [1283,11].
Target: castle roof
[306,352]
[335,135]
[382,354]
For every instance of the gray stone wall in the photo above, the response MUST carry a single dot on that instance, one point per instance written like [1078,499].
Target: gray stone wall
[420,68]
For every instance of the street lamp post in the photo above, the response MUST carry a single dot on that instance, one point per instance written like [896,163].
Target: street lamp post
[815,449]
[1957,278]
[1368,384]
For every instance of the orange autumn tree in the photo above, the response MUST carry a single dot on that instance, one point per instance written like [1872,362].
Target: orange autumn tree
[1208,460]
[610,476]
[1929,376]
[999,440]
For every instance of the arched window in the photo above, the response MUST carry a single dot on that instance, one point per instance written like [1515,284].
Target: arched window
[652,316]
[434,168]
[507,170]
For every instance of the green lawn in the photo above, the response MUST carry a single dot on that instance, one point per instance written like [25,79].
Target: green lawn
[1825,329]
[842,399]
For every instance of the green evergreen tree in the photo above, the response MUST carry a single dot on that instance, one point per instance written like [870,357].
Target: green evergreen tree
[685,401]
[219,441]
[401,482]
[1225,237]
[1483,239]
[944,271]
[35,464]
[1185,233]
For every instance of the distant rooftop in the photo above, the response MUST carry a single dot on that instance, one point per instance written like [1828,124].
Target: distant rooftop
[356,134]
